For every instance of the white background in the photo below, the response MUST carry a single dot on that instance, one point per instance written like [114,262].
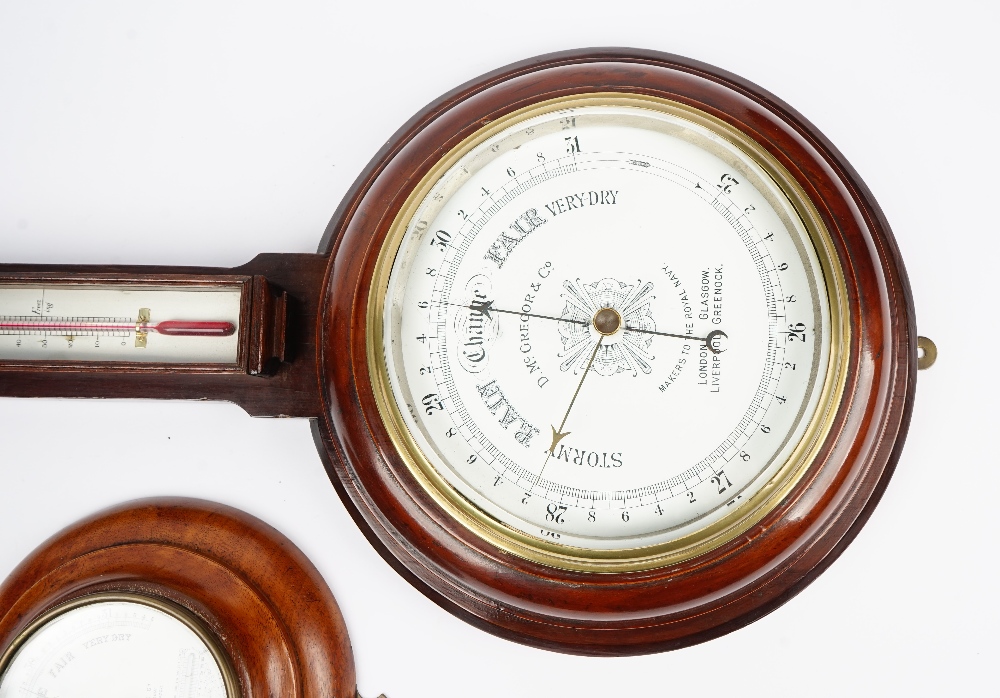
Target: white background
[203,133]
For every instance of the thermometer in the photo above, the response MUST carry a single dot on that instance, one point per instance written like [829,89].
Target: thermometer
[69,322]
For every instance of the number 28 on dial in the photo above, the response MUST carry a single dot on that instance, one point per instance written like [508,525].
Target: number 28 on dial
[604,332]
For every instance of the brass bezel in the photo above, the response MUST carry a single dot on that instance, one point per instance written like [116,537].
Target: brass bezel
[765,500]
[173,610]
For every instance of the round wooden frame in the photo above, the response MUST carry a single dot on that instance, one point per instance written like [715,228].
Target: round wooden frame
[653,610]
[248,586]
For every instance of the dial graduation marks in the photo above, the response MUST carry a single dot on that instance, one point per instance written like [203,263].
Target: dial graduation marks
[535,288]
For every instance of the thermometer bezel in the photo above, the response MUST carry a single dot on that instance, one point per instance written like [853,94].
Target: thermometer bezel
[154,282]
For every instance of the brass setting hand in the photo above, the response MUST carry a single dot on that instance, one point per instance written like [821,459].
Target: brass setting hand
[558,434]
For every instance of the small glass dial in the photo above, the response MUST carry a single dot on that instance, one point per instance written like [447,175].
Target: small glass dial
[605,327]
[114,649]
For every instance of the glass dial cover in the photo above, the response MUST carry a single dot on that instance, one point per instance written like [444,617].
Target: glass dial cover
[606,328]
[117,649]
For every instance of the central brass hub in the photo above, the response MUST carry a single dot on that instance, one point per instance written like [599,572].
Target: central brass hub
[607,321]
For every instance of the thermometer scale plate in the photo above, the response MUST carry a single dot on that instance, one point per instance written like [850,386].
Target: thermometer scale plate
[143,323]
[192,325]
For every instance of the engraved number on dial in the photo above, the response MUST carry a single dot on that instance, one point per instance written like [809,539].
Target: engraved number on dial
[612,338]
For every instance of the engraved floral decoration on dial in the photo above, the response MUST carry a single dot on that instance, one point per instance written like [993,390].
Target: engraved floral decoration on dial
[626,349]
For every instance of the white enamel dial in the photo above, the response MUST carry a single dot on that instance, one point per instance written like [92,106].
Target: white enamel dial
[113,649]
[606,327]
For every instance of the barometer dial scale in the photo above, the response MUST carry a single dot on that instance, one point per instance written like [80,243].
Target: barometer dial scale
[610,351]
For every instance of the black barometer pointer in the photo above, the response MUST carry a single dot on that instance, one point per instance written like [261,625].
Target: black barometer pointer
[710,340]
[486,307]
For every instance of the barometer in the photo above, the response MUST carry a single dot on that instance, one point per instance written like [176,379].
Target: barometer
[607,352]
